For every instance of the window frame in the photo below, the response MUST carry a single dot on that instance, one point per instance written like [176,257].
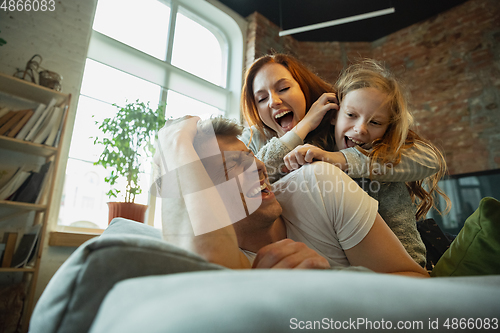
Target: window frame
[225,25]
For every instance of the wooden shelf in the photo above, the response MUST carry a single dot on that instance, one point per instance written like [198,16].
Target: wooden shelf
[27,147]
[29,91]
[17,93]
[22,205]
[17,270]
[10,209]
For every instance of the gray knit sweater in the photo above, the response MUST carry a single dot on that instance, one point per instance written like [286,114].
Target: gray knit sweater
[389,189]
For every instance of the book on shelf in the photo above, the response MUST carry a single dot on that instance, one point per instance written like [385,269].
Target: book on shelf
[17,128]
[14,183]
[26,249]
[52,125]
[55,135]
[3,111]
[13,121]
[30,191]
[6,117]
[2,250]
[41,121]
[36,115]
[6,173]
[10,240]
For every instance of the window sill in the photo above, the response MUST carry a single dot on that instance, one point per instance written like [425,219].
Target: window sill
[72,237]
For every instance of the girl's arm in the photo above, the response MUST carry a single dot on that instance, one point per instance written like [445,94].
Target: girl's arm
[417,162]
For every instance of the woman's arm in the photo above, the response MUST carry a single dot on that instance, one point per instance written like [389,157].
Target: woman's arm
[271,151]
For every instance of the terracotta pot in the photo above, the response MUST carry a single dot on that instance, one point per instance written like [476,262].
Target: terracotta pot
[128,210]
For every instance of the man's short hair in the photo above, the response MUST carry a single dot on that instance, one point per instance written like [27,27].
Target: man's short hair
[221,126]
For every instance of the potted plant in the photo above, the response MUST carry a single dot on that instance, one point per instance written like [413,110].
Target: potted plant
[128,137]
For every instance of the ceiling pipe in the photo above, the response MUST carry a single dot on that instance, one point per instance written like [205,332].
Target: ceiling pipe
[337,22]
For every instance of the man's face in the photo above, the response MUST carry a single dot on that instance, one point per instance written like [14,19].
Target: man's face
[255,191]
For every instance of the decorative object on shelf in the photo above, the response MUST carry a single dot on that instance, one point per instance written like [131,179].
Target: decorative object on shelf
[46,78]
[50,80]
[31,68]
[131,132]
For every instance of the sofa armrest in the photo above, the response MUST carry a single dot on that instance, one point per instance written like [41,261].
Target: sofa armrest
[127,249]
[279,301]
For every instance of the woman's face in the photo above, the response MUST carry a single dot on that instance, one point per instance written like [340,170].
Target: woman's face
[362,118]
[280,101]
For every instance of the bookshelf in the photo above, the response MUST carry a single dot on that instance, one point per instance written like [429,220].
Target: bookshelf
[21,216]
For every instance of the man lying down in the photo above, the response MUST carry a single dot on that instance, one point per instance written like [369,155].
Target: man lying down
[217,202]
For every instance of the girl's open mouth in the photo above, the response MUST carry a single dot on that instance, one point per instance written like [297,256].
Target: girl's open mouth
[351,142]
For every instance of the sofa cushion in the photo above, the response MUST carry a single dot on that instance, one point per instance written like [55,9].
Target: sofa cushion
[125,250]
[268,300]
[476,249]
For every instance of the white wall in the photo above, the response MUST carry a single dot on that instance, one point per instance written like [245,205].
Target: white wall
[61,37]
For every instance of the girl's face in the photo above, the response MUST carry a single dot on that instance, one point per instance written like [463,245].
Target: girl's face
[280,101]
[362,118]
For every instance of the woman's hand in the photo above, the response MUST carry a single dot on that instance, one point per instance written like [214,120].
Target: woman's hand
[327,102]
[308,153]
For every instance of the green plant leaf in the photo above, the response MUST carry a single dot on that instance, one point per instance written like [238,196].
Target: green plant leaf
[129,135]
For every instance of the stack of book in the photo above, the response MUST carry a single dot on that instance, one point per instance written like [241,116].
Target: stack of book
[17,184]
[19,255]
[41,125]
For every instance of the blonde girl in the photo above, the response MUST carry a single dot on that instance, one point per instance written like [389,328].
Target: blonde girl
[374,117]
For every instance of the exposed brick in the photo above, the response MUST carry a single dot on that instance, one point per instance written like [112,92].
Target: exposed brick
[451,65]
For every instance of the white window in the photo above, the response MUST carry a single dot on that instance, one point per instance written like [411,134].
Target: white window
[181,52]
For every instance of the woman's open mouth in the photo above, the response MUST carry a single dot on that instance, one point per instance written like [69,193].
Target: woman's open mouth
[285,120]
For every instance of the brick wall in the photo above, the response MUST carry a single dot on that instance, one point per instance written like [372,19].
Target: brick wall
[450,63]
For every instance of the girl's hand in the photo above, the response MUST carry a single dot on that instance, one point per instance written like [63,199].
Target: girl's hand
[327,102]
[308,153]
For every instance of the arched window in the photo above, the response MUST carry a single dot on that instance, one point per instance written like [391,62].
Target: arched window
[187,53]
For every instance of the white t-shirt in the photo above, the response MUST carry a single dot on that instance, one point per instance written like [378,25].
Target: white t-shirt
[325,209]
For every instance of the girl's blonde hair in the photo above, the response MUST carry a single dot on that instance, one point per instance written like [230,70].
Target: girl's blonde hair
[311,85]
[398,136]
